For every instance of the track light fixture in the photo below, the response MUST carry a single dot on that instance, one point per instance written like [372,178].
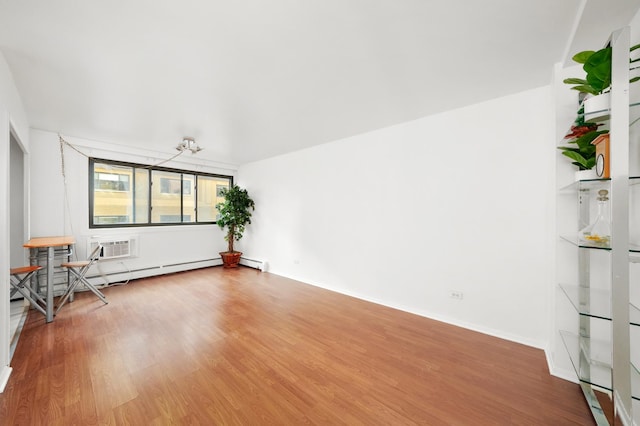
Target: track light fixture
[188,144]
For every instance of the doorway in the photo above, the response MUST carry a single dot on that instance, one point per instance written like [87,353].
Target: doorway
[17,232]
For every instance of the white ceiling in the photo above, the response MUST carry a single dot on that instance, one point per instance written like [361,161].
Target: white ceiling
[250,79]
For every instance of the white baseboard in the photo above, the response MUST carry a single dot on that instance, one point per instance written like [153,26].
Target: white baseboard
[127,275]
[438,317]
[623,414]
[4,377]
[561,373]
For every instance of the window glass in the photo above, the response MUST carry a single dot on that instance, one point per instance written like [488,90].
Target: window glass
[166,197]
[141,196]
[124,194]
[209,195]
[188,198]
[112,194]
[112,181]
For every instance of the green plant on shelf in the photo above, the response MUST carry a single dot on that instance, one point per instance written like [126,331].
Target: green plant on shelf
[597,65]
[579,148]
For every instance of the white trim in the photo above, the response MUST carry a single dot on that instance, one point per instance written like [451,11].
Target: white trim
[574,30]
[4,248]
[621,411]
[561,373]
[4,377]
[442,318]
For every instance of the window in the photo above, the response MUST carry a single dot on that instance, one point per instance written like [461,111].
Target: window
[172,186]
[125,194]
[208,196]
[112,181]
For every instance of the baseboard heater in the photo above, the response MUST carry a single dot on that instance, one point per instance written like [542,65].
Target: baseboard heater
[102,279]
[130,274]
[254,263]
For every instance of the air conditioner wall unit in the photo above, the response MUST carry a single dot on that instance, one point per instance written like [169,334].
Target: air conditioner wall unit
[113,247]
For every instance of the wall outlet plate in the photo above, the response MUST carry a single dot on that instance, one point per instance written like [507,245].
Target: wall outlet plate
[455,294]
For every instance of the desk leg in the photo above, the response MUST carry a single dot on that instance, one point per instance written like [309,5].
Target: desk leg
[33,261]
[70,252]
[49,307]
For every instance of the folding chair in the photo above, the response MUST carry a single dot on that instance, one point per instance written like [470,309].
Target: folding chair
[79,270]
[22,285]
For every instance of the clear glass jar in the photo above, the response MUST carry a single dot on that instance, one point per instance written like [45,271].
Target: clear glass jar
[598,233]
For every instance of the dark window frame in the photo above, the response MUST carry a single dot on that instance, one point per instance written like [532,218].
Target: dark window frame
[93,161]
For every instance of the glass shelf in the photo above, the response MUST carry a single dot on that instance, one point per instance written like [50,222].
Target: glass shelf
[596,303]
[582,244]
[596,370]
[590,302]
[633,248]
[635,382]
[584,185]
[592,184]
[634,315]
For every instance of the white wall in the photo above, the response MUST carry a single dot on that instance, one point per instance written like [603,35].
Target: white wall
[405,215]
[12,116]
[156,246]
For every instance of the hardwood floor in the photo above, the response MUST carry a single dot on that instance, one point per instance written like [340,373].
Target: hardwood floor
[228,347]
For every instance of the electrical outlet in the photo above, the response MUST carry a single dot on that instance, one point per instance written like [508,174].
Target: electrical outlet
[455,294]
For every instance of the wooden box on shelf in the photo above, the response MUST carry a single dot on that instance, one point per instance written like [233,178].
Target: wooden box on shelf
[602,155]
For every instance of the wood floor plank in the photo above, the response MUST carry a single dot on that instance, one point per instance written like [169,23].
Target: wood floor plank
[241,347]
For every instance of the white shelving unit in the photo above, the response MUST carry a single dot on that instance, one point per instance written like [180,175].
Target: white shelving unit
[602,346]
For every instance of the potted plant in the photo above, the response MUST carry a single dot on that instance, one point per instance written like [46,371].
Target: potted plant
[235,214]
[580,138]
[595,90]
[596,85]
[597,65]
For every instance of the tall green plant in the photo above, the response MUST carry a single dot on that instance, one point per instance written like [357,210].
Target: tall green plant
[235,213]
[597,65]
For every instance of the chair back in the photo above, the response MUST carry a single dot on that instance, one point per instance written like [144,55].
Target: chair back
[79,270]
[96,253]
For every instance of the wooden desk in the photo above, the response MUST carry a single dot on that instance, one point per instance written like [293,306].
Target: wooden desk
[49,243]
